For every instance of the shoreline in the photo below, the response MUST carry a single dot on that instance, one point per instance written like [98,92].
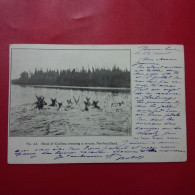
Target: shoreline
[122,89]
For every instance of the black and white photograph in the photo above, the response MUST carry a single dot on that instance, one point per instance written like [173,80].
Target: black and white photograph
[70,92]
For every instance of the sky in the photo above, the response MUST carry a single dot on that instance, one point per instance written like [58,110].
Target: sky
[31,59]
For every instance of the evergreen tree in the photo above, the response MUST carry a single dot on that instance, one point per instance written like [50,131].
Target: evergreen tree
[96,77]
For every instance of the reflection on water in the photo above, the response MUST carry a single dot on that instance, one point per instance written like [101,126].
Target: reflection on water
[113,118]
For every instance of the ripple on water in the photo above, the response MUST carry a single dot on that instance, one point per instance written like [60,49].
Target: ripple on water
[75,121]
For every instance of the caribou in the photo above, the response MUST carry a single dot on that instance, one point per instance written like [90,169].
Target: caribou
[59,105]
[86,106]
[40,102]
[76,100]
[94,104]
[54,101]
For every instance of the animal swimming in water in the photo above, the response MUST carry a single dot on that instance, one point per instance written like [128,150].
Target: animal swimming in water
[117,104]
[54,101]
[76,100]
[69,106]
[86,106]
[120,103]
[88,101]
[94,104]
[40,102]
[59,104]
[69,101]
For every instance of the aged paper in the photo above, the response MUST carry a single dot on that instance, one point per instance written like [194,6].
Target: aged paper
[96,104]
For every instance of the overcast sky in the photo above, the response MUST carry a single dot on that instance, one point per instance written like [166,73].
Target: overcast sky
[29,59]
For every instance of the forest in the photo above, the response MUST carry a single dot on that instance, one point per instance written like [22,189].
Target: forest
[95,77]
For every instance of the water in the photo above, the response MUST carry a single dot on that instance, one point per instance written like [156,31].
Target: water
[112,119]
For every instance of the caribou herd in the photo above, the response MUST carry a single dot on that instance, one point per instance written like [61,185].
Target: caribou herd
[40,103]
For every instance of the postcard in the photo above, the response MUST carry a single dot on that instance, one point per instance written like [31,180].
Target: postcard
[96,104]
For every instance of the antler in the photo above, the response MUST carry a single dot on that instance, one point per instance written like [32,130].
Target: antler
[87,99]
[75,99]
[37,97]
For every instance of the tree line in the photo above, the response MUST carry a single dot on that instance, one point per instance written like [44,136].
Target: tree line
[97,77]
